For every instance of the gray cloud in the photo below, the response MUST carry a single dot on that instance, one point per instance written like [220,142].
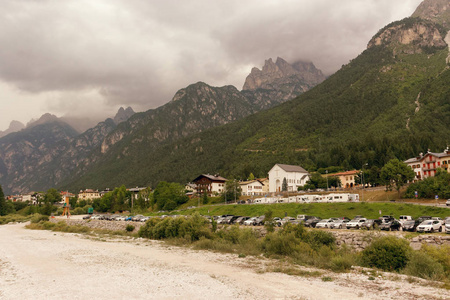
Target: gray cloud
[103,54]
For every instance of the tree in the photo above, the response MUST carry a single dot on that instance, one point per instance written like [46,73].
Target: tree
[3,208]
[284,186]
[52,196]
[205,197]
[232,190]
[169,196]
[251,176]
[396,174]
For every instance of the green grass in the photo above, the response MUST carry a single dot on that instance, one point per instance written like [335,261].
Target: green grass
[323,210]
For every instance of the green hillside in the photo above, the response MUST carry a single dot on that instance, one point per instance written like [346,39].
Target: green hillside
[390,101]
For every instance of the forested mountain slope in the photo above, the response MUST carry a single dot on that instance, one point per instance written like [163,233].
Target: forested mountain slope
[390,101]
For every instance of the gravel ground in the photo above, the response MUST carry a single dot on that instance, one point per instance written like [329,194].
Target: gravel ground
[38,264]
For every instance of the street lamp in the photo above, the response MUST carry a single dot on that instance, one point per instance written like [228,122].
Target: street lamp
[326,172]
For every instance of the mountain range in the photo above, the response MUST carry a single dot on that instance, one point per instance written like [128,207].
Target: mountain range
[51,152]
[391,101]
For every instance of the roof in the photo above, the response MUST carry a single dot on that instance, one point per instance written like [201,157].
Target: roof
[346,173]
[211,177]
[413,160]
[419,158]
[291,168]
[250,181]
[136,189]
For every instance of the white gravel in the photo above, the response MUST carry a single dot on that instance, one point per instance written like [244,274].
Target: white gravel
[38,264]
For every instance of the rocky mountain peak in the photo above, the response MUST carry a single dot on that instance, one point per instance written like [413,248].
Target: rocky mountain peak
[45,118]
[123,115]
[274,72]
[437,11]
[411,35]
[14,126]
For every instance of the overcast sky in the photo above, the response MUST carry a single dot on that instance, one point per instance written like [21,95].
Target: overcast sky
[88,58]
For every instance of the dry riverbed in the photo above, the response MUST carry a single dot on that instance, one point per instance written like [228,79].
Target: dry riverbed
[37,264]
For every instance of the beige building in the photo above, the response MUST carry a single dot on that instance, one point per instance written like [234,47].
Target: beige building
[255,187]
[88,194]
[347,178]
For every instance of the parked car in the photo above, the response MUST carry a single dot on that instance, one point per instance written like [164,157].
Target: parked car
[285,220]
[250,222]
[371,224]
[136,218]
[410,225]
[390,225]
[120,218]
[429,226]
[325,223]
[312,222]
[448,202]
[339,223]
[87,217]
[403,219]
[355,223]
[260,220]
[439,219]
[447,225]
[241,220]
[424,218]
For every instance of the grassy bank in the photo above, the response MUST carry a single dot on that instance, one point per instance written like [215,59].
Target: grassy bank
[323,210]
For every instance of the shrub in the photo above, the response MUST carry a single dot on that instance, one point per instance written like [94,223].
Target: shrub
[78,211]
[440,254]
[36,218]
[129,228]
[192,228]
[342,263]
[387,253]
[424,266]
[319,238]
[280,244]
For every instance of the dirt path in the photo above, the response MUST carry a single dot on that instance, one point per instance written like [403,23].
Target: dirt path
[49,265]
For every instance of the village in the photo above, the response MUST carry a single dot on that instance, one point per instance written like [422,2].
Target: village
[282,178]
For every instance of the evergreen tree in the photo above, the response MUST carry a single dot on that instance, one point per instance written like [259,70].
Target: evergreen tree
[3,209]
[284,187]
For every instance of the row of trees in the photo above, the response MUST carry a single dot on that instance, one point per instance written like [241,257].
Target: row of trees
[394,175]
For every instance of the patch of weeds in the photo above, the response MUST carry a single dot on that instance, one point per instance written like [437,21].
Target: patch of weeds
[241,255]
[293,271]
[411,279]
[394,278]
[327,278]
[371,278]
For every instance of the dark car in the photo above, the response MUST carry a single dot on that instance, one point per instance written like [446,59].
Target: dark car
[312,222]
[371,224]
[411,225]
[424,218]
[390,225]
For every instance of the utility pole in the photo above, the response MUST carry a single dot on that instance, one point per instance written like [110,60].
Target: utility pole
[362,179]
[326,172]
[234,181]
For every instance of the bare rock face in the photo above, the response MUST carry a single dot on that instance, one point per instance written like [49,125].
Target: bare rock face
[281,72]
[280,81]
[123,115]
[437,11]
[411,36]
